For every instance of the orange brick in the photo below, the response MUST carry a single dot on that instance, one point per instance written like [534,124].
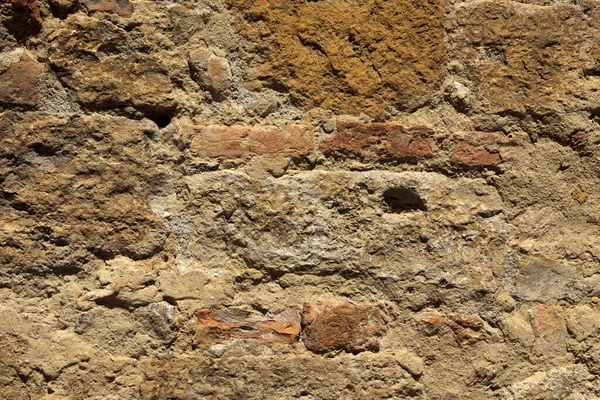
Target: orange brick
[231,142]
[219,324]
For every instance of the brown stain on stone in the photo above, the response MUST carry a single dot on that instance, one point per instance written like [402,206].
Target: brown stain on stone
[352,56]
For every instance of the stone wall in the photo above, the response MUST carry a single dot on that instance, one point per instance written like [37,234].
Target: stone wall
[293,199]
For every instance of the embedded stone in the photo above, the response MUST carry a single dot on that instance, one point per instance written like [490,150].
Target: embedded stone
[348,327]
[19,75]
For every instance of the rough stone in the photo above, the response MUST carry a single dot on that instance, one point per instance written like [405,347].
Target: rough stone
[350,57]
[19,75]
[212,72]
[549,328]
[423,175]
[109,69]
[30,7]
[542,279]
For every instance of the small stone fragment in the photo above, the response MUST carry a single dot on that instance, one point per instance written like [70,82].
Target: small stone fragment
[217,350]
[123,8]
[348,327]
[410,362]
[579,195]
[63,7]
[211,71]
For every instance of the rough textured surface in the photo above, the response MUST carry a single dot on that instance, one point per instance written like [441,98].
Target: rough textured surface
[234,199]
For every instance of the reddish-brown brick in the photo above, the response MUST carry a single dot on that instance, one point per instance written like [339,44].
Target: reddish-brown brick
[482,149]
[549,328]
[233,142]
[19,83]
[219,324]
[346,326]
[380,141]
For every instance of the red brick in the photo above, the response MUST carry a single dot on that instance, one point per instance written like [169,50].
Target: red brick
[232,142]
[219,324]
[482,149]
[549,328]
[19,82]
[381,141]
[345,326]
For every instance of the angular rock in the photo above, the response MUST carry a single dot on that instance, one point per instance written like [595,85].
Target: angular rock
[541,279]
[380,142]
[110,69]
[64,7]
[219,324]
[211,71]
[348,327]
[19,75]
[30,7]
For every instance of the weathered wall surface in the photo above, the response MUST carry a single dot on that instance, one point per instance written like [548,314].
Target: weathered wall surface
[269,199]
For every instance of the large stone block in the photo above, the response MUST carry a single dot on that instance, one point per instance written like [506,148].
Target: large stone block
[348,56]
[109,68]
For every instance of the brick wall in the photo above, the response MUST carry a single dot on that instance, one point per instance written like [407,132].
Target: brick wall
[235,199]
